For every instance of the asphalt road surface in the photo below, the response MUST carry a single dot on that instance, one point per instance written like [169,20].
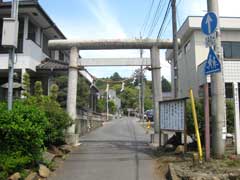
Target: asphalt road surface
[117,151]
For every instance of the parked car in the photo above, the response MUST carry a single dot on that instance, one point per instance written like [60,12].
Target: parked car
[149,115]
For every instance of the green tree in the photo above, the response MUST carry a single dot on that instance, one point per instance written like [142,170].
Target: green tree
[101,105]
[38,90]
[54,92]
[112,107]
[26,85]
[116,77]
[58,119]
[199,104]
[129,98]
[166,86]
[148,96]
[83,91]
[230,115]
[62,83]
[117,88]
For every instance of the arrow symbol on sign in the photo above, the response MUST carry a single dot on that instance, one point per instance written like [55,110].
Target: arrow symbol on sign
[209,21]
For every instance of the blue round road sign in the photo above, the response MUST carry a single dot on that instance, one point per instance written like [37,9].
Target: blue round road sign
[209,23]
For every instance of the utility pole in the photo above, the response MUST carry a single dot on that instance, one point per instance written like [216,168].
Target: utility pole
[175,48]
[107,101]
[142,93]
[142,85]
[14,15]
[175,56]
[218,93]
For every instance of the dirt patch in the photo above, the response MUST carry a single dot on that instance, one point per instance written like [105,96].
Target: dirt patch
[185,168]
[163,160]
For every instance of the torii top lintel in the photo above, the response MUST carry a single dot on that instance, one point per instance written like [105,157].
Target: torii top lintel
[109,44]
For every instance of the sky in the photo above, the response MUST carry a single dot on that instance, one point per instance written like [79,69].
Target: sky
[123,19]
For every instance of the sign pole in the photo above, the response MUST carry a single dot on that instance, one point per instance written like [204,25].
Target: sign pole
[218,93]
[207,124]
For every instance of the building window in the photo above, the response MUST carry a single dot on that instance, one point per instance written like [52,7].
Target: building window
[231,50]
[45,45]
[32,31]
[20,37]
[61,56]
[236,50]
[229,90]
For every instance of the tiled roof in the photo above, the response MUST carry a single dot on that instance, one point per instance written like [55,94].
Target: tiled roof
[56,65]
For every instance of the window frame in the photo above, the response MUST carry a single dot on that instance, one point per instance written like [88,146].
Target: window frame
[228,49]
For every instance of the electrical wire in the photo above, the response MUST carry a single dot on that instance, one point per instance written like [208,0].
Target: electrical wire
[156,18]
[146,20]
[170,19]
[164,20]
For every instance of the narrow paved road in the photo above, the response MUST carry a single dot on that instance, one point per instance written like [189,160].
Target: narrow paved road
[116,151]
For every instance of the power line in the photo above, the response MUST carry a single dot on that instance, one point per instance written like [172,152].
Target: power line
[147,18]
[164,19]
[155,18]
[170,19]
[178,18]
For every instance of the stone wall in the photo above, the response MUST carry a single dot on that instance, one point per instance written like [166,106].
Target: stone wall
[88,121]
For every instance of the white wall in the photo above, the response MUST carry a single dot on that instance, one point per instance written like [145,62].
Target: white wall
[192,71]
[31,57]
[32,53]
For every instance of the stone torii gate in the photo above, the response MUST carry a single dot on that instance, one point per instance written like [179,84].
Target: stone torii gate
[77,45]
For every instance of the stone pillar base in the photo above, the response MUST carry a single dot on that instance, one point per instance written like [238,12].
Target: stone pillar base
[72,139]
[155,140]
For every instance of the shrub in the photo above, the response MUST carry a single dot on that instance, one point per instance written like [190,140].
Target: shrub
[189,117]
[22,133]
[58,118]
[230,115]
[26,85]
[200,114]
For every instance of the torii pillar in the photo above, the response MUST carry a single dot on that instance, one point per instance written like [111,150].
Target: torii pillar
[72,137]
[156,86]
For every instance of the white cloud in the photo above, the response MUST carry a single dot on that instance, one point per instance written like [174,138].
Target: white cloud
[109,25]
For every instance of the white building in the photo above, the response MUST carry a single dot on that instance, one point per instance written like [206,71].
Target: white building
[33,56]
[193,53]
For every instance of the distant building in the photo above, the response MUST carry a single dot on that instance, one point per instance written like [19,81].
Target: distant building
[192,54]
[115,99]
[33,55]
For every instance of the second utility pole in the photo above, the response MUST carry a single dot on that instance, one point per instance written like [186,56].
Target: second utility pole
[142,86]
[218,94]
[175,48]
